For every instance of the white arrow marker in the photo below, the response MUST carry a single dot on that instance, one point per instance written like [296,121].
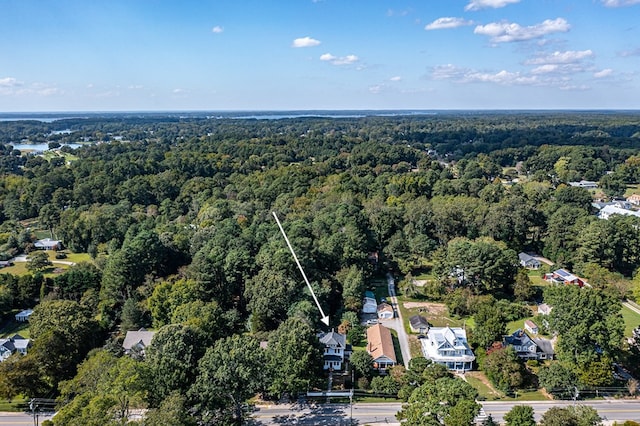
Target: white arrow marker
[325,318]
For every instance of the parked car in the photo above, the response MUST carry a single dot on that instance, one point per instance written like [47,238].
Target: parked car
[372,321]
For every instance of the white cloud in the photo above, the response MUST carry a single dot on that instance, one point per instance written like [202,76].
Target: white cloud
[217,29]
[567,57]
[376,89]
[504,32]
[305,42]
[545,69]
[396,78]
[339,60]
[446,23]
[619,3]
[467,75]
[627,53]
[10,86]
[483,4]
[604,73]
[9,82]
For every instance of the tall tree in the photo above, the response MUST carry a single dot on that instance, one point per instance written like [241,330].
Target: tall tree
[230,372]
[294,357]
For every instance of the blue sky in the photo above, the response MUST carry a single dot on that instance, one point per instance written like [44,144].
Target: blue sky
[78,55]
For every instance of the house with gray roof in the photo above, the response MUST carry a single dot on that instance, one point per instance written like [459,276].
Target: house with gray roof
[527,347]
[418,324]
[135,342]
[528,261]
[13,344]
[336,350]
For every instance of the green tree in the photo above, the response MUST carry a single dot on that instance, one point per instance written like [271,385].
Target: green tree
[522,289]
[588,321]
[362,362]
[558,380]
[580,415]
[38,261]
[490,325]
[173,411]
[353,286]
[504,369]
[447,400]
[294,356]
[63,332]
[172,358]
[520,415]
[230,372]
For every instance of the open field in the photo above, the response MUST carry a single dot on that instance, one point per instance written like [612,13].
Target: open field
[631,320]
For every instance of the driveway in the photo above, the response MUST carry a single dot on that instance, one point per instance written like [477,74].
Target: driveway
[396,323]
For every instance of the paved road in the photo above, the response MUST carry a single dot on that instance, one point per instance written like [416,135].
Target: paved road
[632,307]
[17,419]
[396,323]
[382,414]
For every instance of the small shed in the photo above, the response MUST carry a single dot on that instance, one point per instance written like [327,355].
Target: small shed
[531,327]
[24,315]
[419,324]
[385,311]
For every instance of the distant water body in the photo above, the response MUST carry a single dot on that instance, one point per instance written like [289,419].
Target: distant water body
[238,115]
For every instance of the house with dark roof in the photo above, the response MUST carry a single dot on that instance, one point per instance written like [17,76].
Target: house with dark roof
[13,344]
[529,348]
[528,261]
[380,347]
[418,324]
[336,350]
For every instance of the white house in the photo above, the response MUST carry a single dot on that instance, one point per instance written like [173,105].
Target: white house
[369,304]
[607,211]
[528,261]
[531,327]
[14,344]
[24,315]
[448,346]
[544,309]
[528,348]
[47,244]
[634,199]
[336,350]
[137,341]
[385,311]
[586,184]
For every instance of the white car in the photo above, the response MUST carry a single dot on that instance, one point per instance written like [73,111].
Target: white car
[372,321]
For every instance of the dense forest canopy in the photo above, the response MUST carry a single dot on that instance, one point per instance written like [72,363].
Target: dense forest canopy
[176,215]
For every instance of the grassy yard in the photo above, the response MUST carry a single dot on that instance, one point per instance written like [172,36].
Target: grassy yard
[631,320]
[13,327]
[15,405]
[20,268]
[436,313]
[479,381]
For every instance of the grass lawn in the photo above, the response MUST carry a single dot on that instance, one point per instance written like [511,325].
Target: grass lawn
[15,405]
[631,320]
[13,327]
[436,313]
[20,268]
[512,326]
[396,347]
[479,381]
